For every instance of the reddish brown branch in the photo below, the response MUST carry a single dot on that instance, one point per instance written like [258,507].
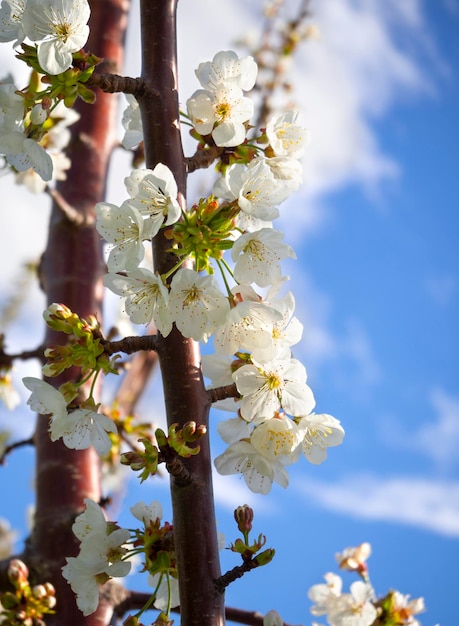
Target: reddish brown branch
[135,600]
[202,159]
[221,393]
[114,83]
[129,345]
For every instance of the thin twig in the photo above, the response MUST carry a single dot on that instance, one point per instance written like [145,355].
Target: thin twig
[14,446]
[73,215]
[6,360]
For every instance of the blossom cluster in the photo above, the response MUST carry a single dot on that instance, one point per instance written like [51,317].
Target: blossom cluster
[360,607]
[33,121]
[59,28]
[106,551]
[252,333]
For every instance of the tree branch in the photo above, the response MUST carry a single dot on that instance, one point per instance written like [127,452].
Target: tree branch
[221,393]
[114,83]
[129,345]
[14,446]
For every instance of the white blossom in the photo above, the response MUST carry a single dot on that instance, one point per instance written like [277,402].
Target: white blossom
[106,550]
[259,471]
[154,194]
[278,439]
[221,112]
[226,68]
[92,519]
[287,135]
[8,394]
[286,169]
[146,297]
[256,190]
[325,595]
[355,608]
[248,326]
[234,429]
[267,387]
[59,29]
[11,28]
[353,559]
[132,124]
[160,583]
[257,257]
[124,228]
[82,578]
[147,513]
[82,428]
[23,153]
[286,332]
[321,431]
[196,304]
[79,429]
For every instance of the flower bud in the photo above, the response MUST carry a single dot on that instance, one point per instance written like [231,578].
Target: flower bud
[265,557]
[18,571]
[38,115]
[244,518]
[39,591]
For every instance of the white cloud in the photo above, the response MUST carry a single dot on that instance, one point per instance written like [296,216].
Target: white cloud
[439,439]
[424,503]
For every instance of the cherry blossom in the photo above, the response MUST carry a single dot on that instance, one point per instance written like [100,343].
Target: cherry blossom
[161,583]
[124,228]
[325,595]
[60,31]
[92,519]
[8,394]
[267,387]
[154,194]
[147,513]
[355,608]
[321,431]
[286,135]
[257,257]
[79,429]
[146,297]
[132,124]
[196,304]
[227,68]
[222,113]
[256,190]
[278,438]
[259,471]
[11,13]
[248,326]
[353,559]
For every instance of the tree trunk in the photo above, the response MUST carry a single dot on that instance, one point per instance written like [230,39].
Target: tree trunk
[71,272]
[185,397]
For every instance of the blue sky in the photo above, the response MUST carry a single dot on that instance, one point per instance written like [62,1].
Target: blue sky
[375,229]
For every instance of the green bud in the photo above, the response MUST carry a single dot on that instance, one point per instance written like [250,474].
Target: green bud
[264,557]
